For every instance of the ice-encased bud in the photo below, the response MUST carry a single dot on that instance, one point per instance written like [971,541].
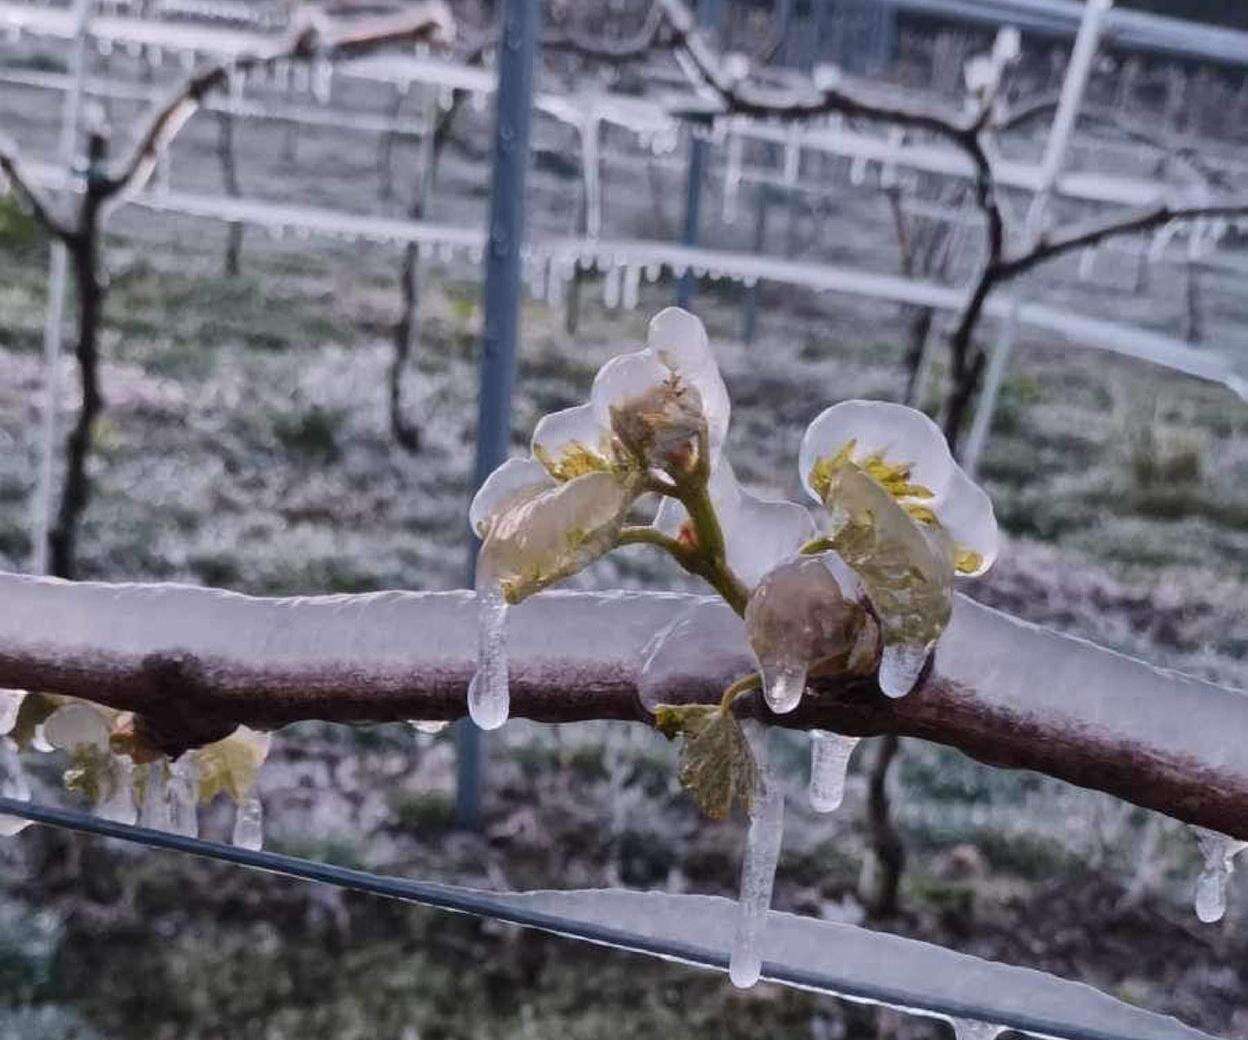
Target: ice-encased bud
[799,616]
[679,340]
[709,634]
[829,764]
[758,869]
[75,725]
[489,697]
[906,568]
[249,824]
[660,423]
[556,532]
[758,533]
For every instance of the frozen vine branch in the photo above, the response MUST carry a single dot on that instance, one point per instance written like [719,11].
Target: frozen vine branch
[200,661]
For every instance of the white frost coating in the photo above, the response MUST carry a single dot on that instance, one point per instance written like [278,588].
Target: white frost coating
[155,811]
[1219,852]
[249,824]
[489,697]
[857,963]
[900,665]
[829,763]
[12,785]
[183,796]
[758,870]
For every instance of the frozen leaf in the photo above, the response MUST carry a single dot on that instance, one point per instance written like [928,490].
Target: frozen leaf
[555,533]
[717,766]
[231,765]
[905,567]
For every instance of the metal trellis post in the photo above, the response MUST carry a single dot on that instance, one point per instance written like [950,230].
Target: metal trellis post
[57,273]
[1081,57]
[521,20]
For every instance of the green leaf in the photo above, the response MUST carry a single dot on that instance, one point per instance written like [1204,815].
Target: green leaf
[717,766]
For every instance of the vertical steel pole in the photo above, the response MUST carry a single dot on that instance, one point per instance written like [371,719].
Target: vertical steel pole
[1054,158]
[513,115]
[57,273]
[708,16]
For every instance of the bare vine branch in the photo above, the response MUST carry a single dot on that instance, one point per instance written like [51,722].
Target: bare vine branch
[316,40]
[40,207]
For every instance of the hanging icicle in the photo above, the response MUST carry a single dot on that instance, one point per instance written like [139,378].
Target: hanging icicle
[1219,852]
[758,870]
[249,823]
[488,697]
[829,764]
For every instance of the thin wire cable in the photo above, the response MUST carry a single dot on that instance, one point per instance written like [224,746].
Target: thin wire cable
[502,908]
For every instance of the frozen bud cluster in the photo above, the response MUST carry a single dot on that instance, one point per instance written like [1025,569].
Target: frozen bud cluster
[800,616]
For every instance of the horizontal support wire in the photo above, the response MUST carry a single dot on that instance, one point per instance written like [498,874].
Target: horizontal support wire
[510,908]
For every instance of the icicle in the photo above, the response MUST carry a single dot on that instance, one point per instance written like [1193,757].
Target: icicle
[249,823]
[429,726]
[829,762]
[900,666]
[632,288]
[857,170]
[155,810]
[1086,261]
[758,871]
[488,696]
[116,798]
[653,272]
[183,795]
[12,785]
[783,684]
[611,287]
[732,178]
[1219,852]
[974,1029]
[322,82]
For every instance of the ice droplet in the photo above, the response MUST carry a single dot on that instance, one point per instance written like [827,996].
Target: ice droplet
[758,871]
[183,795]
[900,667]
[1219,852]
[488,696]
[249,824]
[12,785]
[974,1029]
[783,684]
[829,762]
[154,812]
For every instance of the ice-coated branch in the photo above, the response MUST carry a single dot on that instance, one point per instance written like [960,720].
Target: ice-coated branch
[12,168]
[316,40]
[199,661]
[1051,246]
